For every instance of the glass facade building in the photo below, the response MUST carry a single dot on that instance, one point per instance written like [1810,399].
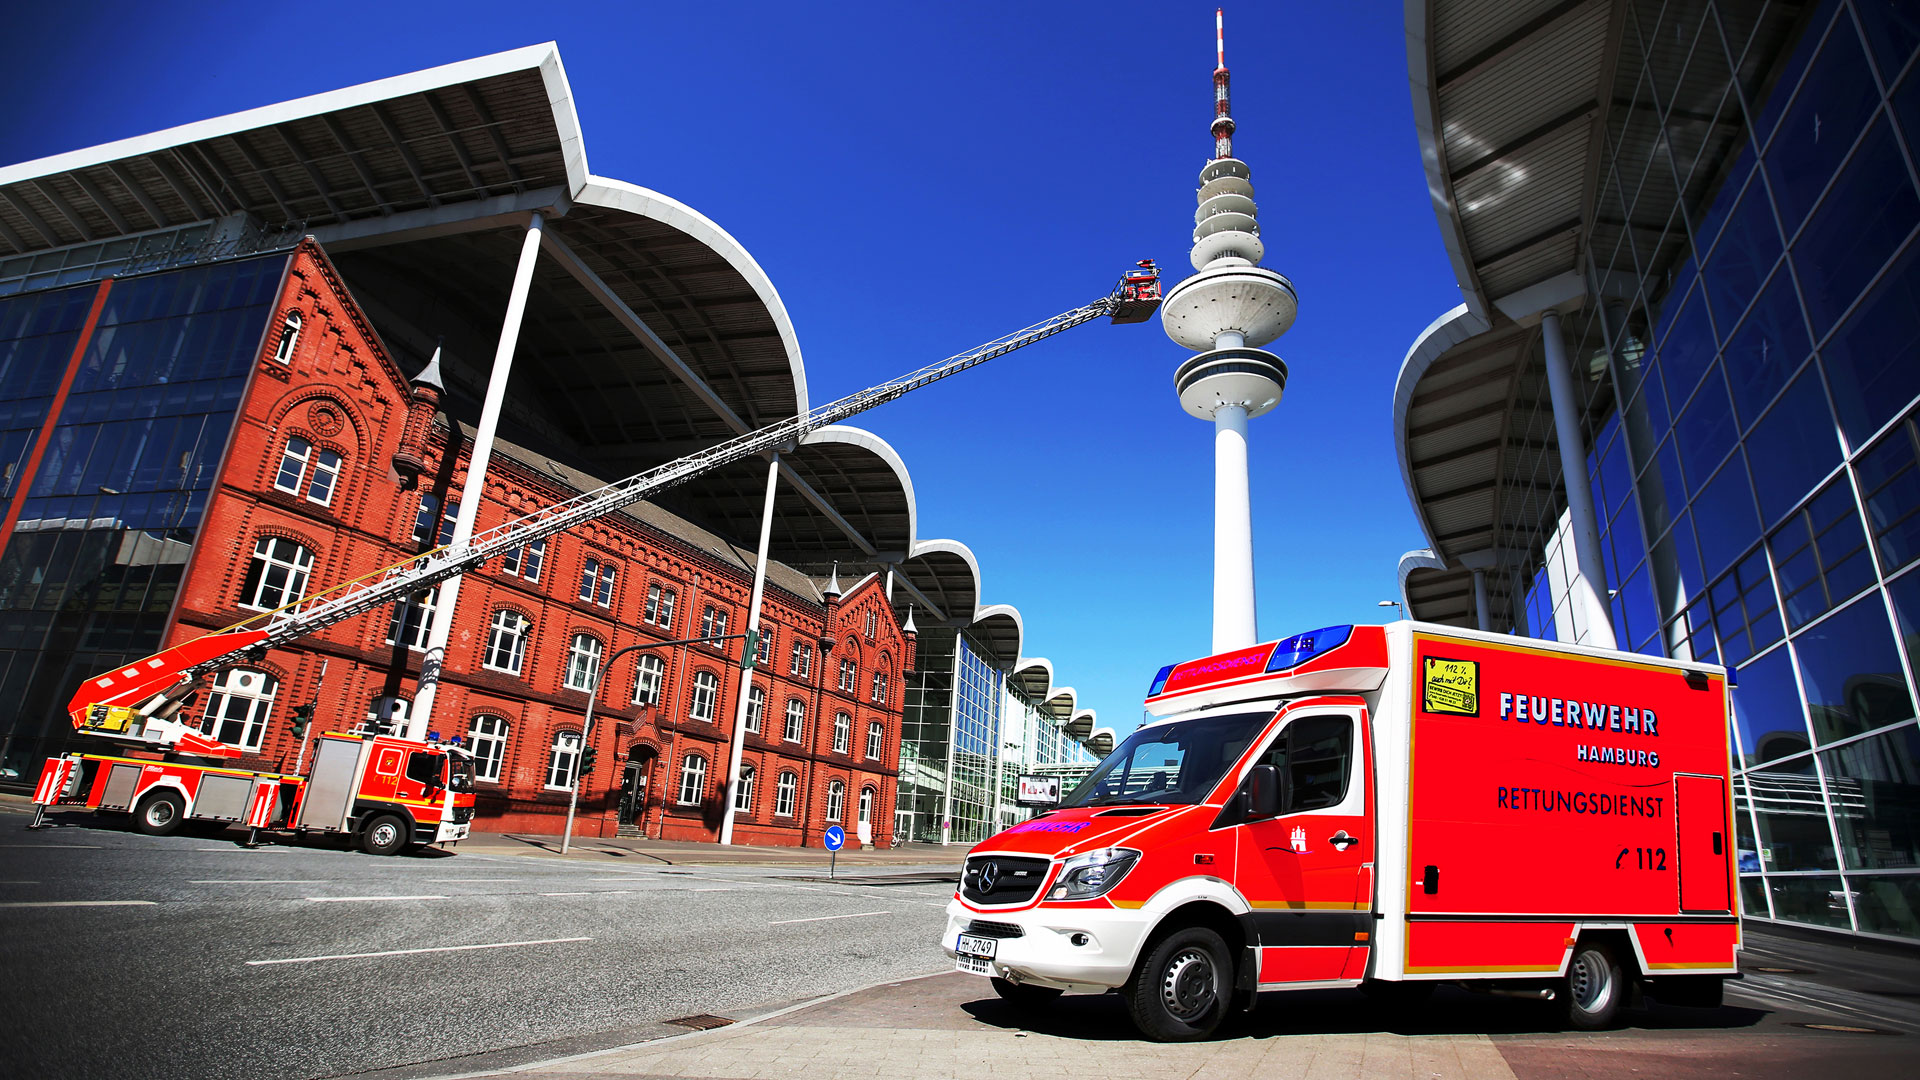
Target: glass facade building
[104,520]
[1752,351]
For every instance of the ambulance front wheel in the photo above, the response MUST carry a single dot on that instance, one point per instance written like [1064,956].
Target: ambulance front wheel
[1595,986]
[160,814]
[385,835]
[1023,993]
[1183,988]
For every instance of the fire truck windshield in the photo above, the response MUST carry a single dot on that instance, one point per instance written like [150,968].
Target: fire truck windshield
[1179,762]
[459,772]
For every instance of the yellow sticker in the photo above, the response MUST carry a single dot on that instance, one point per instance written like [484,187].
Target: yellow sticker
[1451,687]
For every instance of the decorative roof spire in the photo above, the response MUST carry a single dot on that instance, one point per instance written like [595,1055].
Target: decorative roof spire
[908,627]
[430,375]
[833,582]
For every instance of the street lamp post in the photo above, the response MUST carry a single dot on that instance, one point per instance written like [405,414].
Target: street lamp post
[593,696]
[1401,612]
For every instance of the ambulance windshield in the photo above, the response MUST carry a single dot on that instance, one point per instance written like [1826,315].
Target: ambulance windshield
[1179,762]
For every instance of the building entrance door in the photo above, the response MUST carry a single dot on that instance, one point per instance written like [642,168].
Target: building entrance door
[633,790]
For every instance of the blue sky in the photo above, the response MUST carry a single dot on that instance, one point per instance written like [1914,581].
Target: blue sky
[918,178]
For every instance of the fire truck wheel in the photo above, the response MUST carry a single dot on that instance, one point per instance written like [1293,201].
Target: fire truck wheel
[385,835]
[1595,986]
[1024,993]
[161,813]
[1181,991]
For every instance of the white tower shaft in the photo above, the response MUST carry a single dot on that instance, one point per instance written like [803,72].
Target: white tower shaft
[1233,604]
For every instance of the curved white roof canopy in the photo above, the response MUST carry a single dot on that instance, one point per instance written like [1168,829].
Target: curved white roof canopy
[1032,677]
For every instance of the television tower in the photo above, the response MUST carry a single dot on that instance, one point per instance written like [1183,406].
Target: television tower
[1225,312]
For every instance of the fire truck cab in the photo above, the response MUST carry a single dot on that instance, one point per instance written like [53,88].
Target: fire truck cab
[1383,808]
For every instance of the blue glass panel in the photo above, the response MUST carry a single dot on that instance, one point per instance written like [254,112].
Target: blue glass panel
[1708,225]
[1763,612]
[1890,482]
[1724,516]
[1705,431]
[1628,547]
[1873,360]
[1614,472]
[1793,447]
[1639,616]
[1905,593]
[1826,116]
[1789,77]
[1745,255]
[1679,551]
[1662,489]
[1851,671]
[1892,27]
[1687,349]
[1766,710]
[1766,348]
[1864,220]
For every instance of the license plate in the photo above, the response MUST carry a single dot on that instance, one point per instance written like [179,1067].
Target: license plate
[982,947]
[972,965]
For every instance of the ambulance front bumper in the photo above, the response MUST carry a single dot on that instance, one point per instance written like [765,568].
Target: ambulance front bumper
[1085,950]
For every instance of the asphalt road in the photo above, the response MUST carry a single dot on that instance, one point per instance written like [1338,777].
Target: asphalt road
[190,956]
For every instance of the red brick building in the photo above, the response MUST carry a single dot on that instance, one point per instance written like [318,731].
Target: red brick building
[308,496]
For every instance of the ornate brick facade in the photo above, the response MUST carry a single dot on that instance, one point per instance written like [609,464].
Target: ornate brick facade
[337,392]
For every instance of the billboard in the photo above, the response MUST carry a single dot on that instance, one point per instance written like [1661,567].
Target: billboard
[1039,791]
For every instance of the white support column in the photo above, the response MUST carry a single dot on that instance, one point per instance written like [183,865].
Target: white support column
[1482,604]
[746,674]
[474,490]
[1590,588]
[1233,612]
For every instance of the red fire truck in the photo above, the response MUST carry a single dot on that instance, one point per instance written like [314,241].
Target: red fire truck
[388,793]
[1383,808]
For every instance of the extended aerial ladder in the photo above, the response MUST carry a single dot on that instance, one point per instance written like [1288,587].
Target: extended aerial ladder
[137,702]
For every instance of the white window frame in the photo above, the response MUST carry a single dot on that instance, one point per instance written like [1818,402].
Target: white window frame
[713,623]
[325,463]
[876,740]
[289,339]
[515,628]
[253,692]
[583,662]
[756,708]
[763,649]
[649,678]
[525,561]
[597,578]
[879,694]
[660,604]
[783,794]
[417,616]
[842,733]
[705,698]
[563,761]
[488,746]
[743,790]
[295,456]
[801,664]
[849,674]
[863,813]
[268,559]
[836,800]
[693,780]
[873,623]
[795,729]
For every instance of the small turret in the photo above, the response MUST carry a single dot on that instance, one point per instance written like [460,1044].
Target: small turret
[410,460]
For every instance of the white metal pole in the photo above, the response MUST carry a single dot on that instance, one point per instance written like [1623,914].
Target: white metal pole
[1233,610]
[1590,590]
[474,490]
[746,673]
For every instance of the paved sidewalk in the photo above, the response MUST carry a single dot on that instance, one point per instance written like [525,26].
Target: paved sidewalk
[682,853]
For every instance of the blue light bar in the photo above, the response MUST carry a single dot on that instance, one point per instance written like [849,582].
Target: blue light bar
[1160,681]
[1301,648]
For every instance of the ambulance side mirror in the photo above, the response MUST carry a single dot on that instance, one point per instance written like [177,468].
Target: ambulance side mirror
[1265,794]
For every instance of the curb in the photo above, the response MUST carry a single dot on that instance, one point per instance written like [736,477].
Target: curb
[750,1021]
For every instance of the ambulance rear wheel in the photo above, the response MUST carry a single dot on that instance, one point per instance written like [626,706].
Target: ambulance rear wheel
[1023,993]
[160,814]
[385,835]
[1182,989]
[1595,986]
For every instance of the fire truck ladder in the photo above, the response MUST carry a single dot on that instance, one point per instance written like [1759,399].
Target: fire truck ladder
[158,685]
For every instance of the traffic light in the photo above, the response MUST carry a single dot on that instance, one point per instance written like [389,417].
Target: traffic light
[302,716]
[587,757]
[749,650]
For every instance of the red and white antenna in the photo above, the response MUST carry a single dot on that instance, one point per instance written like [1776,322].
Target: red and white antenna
[1220,38]
[1222,122]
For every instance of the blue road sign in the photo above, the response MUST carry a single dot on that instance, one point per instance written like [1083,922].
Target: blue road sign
[835,838]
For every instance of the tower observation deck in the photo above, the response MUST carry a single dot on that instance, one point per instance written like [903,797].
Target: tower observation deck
[1225,312]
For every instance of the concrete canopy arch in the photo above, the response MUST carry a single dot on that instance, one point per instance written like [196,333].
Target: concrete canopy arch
[997,630]
[1080,726]
[1060,703]
[942,579]
[1101,742]
[1032,677]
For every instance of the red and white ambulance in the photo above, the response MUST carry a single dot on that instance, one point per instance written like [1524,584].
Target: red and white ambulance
[1384,808]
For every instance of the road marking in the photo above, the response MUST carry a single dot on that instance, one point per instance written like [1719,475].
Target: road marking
[79,903]
[254,881]
[247,851]
[414,952]
[469,880]
[19,883]
[351,899]
[714,890]
[824,918]
[567,893]
[591,892]
[74,847]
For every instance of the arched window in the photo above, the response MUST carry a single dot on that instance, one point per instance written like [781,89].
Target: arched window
[388,715]
[583,662]
[743,791]
[756,708]
[866,806]
[849,674]
[876,740]
[305,470]
[783,794]
[836,800]
[238,706]
[413,619]
[487,740]
[693,779]
[277,575]
[801,665]
[796,720]
[289,337]
[563,761]
[706,694]
[879,688]
[648,674]
[507,642]
[873,623]
[659,609]
[842,733]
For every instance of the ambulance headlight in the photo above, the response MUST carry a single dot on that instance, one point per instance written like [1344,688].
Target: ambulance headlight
[1086,876]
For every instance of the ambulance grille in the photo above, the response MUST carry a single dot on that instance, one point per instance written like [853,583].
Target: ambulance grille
[983,928]
[1002,879]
